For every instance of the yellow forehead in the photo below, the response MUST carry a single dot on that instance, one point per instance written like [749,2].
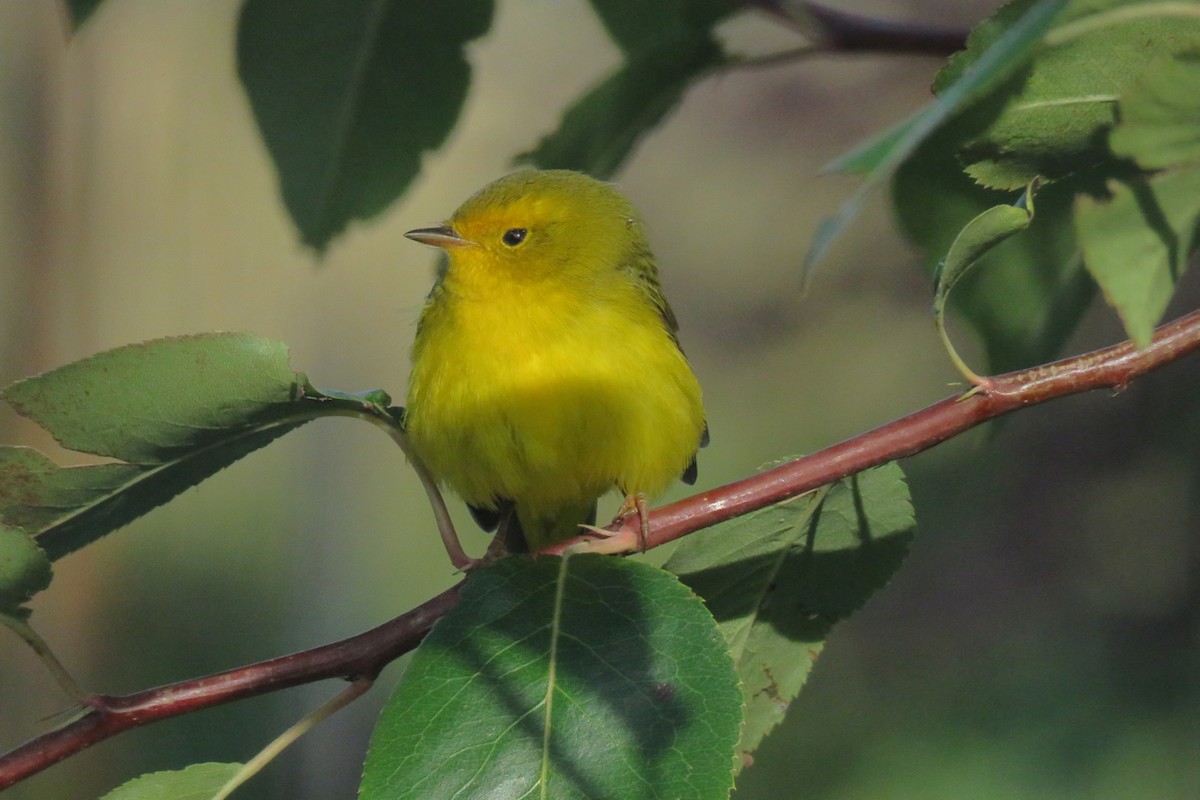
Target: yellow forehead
[527,198]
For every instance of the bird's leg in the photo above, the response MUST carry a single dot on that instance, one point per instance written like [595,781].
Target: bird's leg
[499,546]
[636,504]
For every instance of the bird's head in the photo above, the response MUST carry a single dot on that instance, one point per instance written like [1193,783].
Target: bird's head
[536,226]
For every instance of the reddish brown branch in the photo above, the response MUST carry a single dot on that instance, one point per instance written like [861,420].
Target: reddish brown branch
[359,656]
[366,654]
[1111,368]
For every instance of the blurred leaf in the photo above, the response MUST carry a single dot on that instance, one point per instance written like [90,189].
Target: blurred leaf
[1137,244]
[638,26]
[196,782]
[1030,291]
[995,54]
[975,241]
[81,10]
[24,571]
[348,96]
[778,580]
[1051,118]
[599,131]
[1160,115]
[878,152]
[668,45]
[175,411]
[567,678]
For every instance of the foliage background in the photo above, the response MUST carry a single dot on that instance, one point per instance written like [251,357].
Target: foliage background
[1043,639]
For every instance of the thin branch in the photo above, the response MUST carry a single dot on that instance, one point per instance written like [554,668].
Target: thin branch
[361,656]
[366,654]
[1110,368]
[839,31]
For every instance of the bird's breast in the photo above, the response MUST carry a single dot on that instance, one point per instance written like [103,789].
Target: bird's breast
[549,400]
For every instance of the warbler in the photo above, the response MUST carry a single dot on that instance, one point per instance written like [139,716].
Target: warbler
[546,367]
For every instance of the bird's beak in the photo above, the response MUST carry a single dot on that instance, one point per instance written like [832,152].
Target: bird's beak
[443,236]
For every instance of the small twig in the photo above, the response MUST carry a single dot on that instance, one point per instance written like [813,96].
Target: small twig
[839,31]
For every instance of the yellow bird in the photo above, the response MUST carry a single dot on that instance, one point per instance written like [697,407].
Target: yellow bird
[546,368]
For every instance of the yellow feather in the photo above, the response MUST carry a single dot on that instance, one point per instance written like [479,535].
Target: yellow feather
[546,371]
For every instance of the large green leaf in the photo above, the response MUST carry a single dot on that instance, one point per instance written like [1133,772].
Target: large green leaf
[1138,243]
[1051,119]
[1160,115]
[173,411]
[196,782]
[568,678]
[147,403]
[24,571]
[778,579]
[348,95]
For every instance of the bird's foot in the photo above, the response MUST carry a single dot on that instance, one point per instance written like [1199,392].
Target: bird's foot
[606,542]
[619,537]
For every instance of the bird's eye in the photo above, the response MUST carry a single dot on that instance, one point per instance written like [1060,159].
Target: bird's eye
[514,236]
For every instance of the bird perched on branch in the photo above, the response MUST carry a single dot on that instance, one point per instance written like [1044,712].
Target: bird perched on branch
[546,368]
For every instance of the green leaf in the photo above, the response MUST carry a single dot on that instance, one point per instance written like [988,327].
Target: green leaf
[994,57]
[975,241]
[778,580]
[1051,119]
[979,236]
[81,10]
[1160,115]
[1138,243]
[578,678]
[174,411]
[638,26]
[24,571]
[601,129]
[1030,292]
[348,96]
[881,152]
[147,403]
[196,782]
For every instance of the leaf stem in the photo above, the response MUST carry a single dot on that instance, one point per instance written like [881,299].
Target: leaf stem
[441,514]
[281,742]
[939,320]
[63,678]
